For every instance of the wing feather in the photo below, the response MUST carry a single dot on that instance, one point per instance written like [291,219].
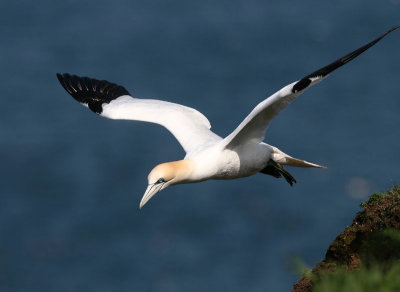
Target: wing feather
[254,126]
[189,126]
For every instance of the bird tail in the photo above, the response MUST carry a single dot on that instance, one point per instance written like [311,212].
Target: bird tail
[284,159]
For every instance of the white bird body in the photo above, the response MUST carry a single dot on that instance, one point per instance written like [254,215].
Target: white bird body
[217,162]
[208,156]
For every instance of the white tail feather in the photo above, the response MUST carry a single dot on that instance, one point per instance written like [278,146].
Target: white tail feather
[284,159]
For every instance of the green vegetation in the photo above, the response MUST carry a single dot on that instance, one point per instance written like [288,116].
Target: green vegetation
[377,197]
[366,255]
[379,271]
[372,279]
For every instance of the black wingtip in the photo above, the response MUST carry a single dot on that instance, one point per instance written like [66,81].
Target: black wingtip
[91,92]
[306,81]
[392,29]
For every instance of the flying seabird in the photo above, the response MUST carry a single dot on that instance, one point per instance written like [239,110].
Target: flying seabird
[208,156]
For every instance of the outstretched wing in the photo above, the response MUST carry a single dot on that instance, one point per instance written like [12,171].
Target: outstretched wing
[190,127]
[254,126]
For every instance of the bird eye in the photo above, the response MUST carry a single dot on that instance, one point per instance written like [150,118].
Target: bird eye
[160,180]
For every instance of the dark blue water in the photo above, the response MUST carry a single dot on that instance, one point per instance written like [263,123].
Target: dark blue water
[71,181]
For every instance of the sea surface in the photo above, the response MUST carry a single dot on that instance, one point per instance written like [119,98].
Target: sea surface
[71,181]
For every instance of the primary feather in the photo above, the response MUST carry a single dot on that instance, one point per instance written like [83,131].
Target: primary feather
[189,126]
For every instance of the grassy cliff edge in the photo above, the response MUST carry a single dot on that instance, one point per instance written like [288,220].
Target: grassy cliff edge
[368,250]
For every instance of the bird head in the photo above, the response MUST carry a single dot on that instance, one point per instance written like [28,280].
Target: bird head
[164,175]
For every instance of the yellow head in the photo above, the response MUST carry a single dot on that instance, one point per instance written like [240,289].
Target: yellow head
[164,175]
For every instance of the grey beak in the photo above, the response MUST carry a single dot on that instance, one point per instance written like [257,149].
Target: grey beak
[151,190]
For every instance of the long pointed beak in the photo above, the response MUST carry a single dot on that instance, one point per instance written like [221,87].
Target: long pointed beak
[151,190]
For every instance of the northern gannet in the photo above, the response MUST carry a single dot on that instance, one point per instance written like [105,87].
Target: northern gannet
[208,156]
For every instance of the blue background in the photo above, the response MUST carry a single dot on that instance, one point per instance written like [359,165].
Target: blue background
[71,181]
